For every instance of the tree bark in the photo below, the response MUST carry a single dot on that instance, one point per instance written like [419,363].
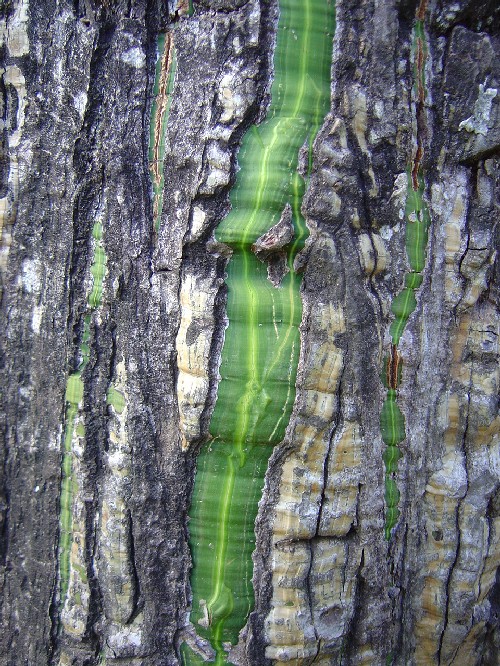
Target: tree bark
[377,537]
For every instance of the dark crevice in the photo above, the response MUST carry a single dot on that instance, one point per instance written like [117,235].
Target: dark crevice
[371,279]
[474,16]
[457,520]
[318,650]
[5,500]
[137,603]
[95,602]
[349,638]
[96,435]
[481,155]
[109,383]
[448,585]
[336,426]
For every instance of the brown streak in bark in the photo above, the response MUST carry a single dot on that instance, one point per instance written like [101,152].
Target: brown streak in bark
[161,104]
[392,369]
[416,166]
[421,10]
[420,64]
[420,102]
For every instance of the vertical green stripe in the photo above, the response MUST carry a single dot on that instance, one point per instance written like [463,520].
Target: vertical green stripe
[260,355]
[418,221]
[74,400]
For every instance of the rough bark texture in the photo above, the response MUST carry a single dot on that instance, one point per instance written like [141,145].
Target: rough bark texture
[75,99]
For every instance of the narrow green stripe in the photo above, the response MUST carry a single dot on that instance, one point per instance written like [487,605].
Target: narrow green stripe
[418,221]
[74,399]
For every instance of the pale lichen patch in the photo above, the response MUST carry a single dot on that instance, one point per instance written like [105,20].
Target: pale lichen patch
[340,497]
[134,57]
[76,602]
[358,108]
[234,96]
[218,168]
[193,342]
[18,158]
[125,638]
[17,33]
[372,253]
[198,219]
[478,123]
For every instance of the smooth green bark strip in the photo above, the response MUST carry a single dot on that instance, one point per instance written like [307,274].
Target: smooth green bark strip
[260,355]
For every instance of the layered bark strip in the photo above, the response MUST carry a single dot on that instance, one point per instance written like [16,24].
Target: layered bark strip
[16,44]
[265,230]
[163,88]
[392,422]
[74,588]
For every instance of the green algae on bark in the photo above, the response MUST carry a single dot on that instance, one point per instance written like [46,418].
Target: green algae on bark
[163,88]
[116,399]
[417,217]
[74,419]
[261,348]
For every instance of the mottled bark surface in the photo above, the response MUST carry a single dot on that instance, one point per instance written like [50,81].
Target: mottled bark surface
[76,95]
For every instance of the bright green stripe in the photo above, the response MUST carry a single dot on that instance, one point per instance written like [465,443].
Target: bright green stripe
[392,497]
[391,457]
[156,89]
[392,494]
[164,120]
[404,304]
[74,389]
[413,280]
[116,399]
[402,307]
[392,423]
[417,225]
[391,518]
[66,518]
[260,355]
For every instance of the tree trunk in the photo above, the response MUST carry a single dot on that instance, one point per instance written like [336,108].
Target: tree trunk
[312,422]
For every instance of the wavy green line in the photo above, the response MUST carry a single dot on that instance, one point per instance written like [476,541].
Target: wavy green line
[260,355]
[392,423]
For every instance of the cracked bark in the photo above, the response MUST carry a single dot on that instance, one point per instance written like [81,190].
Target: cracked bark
[75,101]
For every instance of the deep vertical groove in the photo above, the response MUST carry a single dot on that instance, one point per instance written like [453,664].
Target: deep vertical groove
[74,420]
